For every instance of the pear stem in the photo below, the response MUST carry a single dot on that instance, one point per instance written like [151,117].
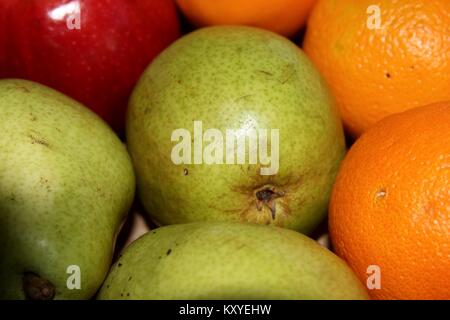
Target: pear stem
[267,197]
[37,288]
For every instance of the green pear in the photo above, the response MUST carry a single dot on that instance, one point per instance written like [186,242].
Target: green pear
[229,260]
[234,123]
[66,184]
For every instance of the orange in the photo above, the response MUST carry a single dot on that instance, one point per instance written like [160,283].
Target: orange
[377,72]
[390,206]
[283,16]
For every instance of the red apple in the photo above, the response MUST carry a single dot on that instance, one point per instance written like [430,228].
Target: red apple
[91,50]
[3,45]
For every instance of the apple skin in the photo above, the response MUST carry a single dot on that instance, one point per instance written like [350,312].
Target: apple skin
[3,4]
[98,64]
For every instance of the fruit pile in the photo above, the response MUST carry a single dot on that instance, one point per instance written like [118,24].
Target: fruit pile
[190,149]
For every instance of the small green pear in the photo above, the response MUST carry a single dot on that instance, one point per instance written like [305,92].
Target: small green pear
[234,123]
[229,260]
[66,184]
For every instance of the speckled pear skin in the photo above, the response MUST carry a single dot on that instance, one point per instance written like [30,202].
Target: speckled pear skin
[66,184]
[233,77]
[229,260]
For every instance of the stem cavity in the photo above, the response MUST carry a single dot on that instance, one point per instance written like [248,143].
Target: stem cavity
[267,196]
[37,288]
